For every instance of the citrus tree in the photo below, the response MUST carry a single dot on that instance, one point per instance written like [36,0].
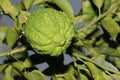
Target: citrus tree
[52,31]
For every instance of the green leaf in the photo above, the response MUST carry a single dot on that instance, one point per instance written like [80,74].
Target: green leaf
[106,65]
[118,17]
[8,8]
[8,73]
[65,76]
[31,60]
[3,31]
[117,62]
[116,76]
[27,63]
[66,7]
[53,77]
[88,44]
[110,26]
[107,51]
[83,76]
[89,30]
[100,63]
[17,72]
[98,3]
[113,1]
[18,65]
[96,73]
[82,72]
[37,75]
[19,6]
[106,5]
[58,77]
[22,18]
[107,77]
[27,3]
[83,68]
[18,68]
[70,69]
[20,55]
[118,14]
[2,67]
[11,37]
[87,11]
[101,42]
[69,76]
[34,75]
[36,2]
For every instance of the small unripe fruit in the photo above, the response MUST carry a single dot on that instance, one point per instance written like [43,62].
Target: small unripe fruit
[49,31]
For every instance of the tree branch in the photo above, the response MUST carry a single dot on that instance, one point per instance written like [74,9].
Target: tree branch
[14,51]
[110,10]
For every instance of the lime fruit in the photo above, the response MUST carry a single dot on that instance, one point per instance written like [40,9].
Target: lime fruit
[49,31]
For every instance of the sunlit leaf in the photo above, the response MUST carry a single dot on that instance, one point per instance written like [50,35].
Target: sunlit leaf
[11,36]
[101,41]
[65,76]
[107,51]
[21,55]
[91,51]
[87,11]
[66,7]
[110,26]
[107,77]
[116,76]
[96,73]
[118,14]
[69,76]
[117,62]
[113,1]
[19,6]
[8,73]
[36,2]
[8,8]
[83,76]
[106,5]
[98,3]
[27,3]
[28,63]
[2,67]
[70,69]
[31,60]
[3,31]
[22,18]
[28,76]
[17,72]
[18,68]
[53,77]
[83,68]
[89,30]
[37,75]
[106,65]
[57,77]
[18,65]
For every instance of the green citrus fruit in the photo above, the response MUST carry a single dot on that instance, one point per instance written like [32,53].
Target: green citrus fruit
[49,31]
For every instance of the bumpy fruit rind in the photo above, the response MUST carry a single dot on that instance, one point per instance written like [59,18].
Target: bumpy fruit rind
[49,31]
